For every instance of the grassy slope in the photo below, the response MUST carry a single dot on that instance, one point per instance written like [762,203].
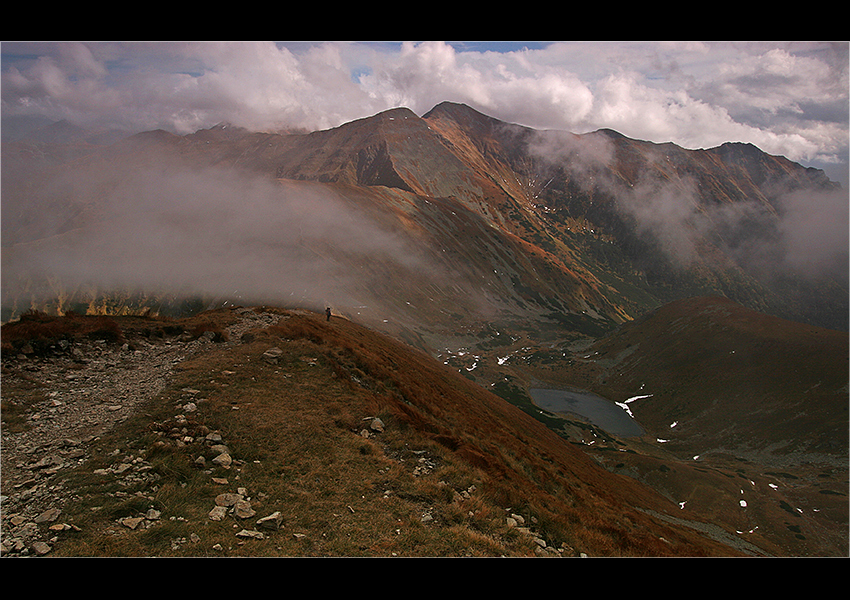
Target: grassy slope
[730,376]
[760,412]
[450,450]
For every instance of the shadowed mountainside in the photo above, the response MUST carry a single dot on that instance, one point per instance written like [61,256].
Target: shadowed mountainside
[717,369]
[509,222]
[745,416]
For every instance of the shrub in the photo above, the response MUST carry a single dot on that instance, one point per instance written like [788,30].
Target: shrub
[40,330]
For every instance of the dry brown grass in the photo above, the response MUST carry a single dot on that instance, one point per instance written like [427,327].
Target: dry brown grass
[451,464]
[40,329]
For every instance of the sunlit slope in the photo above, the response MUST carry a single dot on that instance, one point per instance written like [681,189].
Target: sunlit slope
[294,397]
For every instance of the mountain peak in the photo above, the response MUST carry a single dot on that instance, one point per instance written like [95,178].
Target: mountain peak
[399,113]
[463,115]
[451,108]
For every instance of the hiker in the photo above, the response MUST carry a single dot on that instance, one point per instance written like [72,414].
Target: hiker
[328,313]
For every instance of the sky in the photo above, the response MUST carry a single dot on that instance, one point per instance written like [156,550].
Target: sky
[787,98]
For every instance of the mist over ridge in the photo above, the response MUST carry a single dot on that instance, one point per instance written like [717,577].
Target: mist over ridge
[779,228]
[354,222]
[224,234]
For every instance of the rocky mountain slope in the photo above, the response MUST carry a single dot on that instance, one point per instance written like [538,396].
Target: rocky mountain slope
[454,214]
[262,432]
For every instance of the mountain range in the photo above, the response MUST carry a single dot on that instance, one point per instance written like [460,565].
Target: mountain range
[705,289]
[491,218]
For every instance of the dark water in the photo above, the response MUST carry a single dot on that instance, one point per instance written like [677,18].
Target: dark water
[599,411]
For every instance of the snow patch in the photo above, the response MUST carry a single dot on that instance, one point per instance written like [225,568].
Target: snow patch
[626,408]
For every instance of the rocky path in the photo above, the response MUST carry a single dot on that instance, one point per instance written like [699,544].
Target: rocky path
[86,390]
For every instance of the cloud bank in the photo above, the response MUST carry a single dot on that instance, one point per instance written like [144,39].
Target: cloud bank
[220,233]
[786,98]
[802,234]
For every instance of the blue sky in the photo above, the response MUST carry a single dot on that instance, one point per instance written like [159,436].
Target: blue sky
[788,98]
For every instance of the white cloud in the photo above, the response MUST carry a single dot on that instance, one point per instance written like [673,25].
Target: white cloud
[787,98]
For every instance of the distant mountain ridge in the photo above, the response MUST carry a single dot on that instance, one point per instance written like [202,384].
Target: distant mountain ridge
[555,222]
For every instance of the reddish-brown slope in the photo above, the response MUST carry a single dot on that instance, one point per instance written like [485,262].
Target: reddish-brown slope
[525,463]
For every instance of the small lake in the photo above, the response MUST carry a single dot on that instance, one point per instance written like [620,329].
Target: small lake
[599,411]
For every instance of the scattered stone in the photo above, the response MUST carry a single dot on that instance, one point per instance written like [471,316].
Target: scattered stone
[245,533]
[218,513]
[41,548]
[121,469]
[223,460]
[242,509]
[227,499]
[131,522]
[274,521]
[46,462]
[272,355]
[48,516]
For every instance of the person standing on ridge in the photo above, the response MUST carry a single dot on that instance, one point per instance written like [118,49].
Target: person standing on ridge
[328,313]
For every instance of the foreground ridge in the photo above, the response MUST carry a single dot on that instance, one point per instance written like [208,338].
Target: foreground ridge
[270,432]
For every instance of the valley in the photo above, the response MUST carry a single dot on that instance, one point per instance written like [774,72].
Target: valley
[707,450]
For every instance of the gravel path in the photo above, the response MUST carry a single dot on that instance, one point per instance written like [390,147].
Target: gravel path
[84,391]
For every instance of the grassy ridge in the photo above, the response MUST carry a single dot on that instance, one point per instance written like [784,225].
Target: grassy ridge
[451,464]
